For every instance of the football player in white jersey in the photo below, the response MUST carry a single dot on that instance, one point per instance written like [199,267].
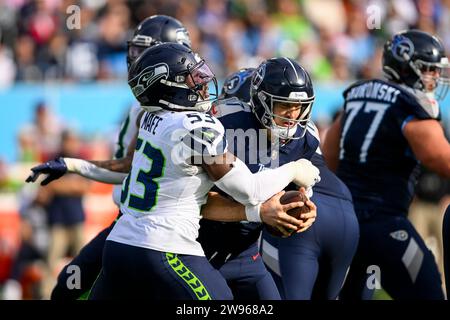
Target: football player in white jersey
[151,31]
[180,153]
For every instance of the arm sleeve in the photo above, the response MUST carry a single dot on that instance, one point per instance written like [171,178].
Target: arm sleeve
[91,171]
[251,189]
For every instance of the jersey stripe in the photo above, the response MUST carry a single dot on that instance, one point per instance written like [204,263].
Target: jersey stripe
[313,130]
[120,152]
[405,122]
[188,277]
[296,74]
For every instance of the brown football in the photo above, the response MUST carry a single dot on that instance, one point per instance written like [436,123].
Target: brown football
[288,197]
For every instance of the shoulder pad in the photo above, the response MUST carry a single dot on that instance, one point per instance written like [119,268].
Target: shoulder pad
[421,105]
[193,120]
[203,135]
[228,106]
[312,129]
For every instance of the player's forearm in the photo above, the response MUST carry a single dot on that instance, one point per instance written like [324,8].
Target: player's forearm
[117,165]
[108,171]
[219,208]
[251,189]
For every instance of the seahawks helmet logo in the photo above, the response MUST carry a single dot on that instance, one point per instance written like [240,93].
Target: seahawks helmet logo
[147,77]
[402,48]
[258,77]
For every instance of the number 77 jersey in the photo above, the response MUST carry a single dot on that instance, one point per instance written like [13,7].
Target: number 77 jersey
[162,195]
[376,161]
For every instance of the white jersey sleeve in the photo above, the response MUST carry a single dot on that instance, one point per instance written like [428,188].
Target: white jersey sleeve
[128,131]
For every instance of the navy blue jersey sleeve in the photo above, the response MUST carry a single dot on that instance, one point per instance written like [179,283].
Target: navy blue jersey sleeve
[417,104]
[329,183]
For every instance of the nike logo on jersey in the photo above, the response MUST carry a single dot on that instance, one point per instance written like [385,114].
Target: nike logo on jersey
[400,235]
[255,256]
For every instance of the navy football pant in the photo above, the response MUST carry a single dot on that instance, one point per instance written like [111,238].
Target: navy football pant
[407,269]
[89,262]
[446,240]
[247,275]
[130,272]
[313,264]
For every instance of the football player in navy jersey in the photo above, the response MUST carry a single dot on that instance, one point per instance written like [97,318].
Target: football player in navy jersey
[386,128]
[312,264]
[287,92]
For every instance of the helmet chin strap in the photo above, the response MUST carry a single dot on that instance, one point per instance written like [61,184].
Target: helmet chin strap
[201,106]
[283,132]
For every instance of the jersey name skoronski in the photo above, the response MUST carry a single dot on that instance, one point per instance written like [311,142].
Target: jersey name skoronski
[164,191]
[376,161]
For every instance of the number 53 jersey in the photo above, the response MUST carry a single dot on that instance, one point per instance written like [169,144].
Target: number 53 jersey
[165,189]
[376,161]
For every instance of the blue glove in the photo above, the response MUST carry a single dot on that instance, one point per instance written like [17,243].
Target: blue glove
[54,168]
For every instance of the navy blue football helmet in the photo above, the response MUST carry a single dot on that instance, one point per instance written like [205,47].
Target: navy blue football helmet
[171,76]
[154,30]
[281,81]
[416,58]
[238,85]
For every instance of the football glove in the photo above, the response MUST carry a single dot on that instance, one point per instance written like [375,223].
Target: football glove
[55,169]
[306,174]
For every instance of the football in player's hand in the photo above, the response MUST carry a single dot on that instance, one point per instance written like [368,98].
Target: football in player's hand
[288,197]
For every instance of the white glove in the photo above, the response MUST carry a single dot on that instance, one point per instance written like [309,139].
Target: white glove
[306,174]
[309,192]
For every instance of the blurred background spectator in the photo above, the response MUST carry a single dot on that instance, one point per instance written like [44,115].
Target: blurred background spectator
[40,140]
[331,35]
[30,267]
[65,212]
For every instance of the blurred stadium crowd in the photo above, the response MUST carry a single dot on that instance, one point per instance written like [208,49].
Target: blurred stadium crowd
[330,36]
[335,39]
